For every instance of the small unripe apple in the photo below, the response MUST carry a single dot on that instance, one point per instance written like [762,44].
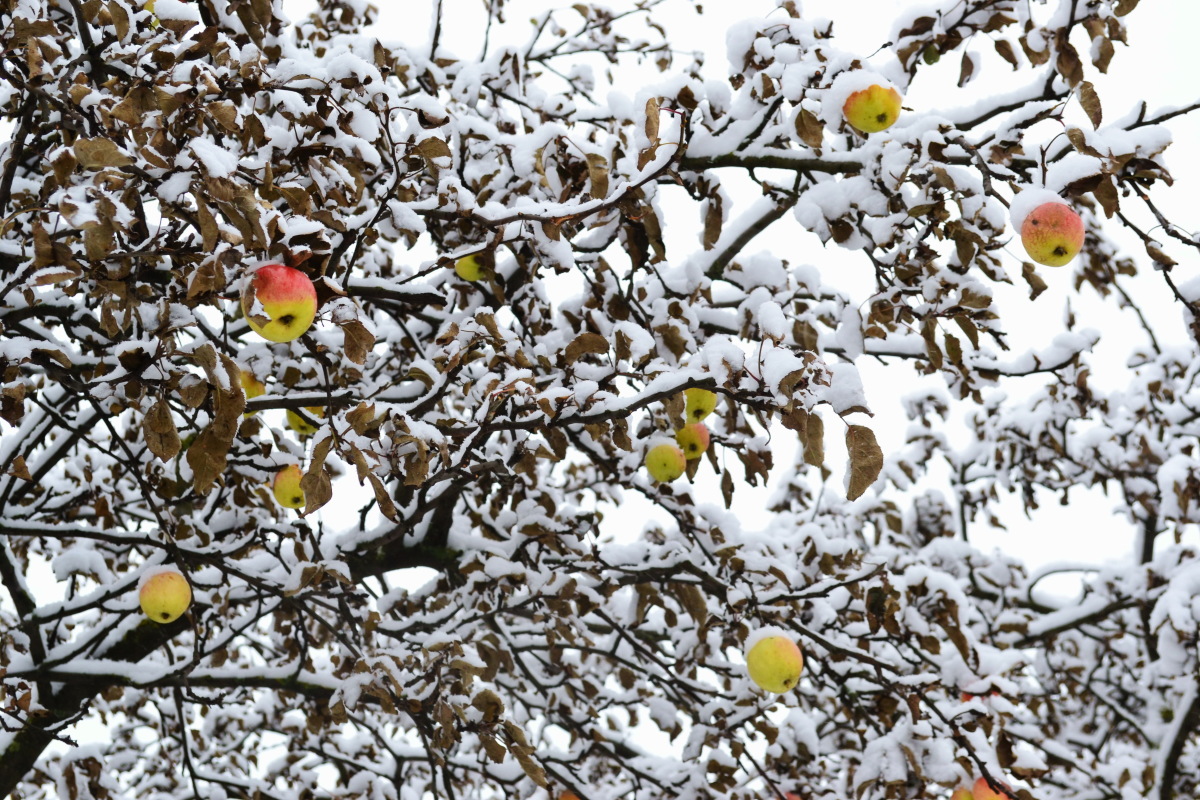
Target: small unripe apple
[873,109]
[665,462]
[699,404]
[253,387]
[165,595]
[985,792]
[775,663]
[1052,234]
[287,301]
[298,424]
[693,438]
[469,268]
[931,55]
[286,487]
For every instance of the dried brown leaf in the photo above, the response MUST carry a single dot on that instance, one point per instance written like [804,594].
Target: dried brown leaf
[159,431]
[866,459]
[1091,103]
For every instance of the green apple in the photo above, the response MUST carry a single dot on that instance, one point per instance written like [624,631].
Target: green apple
[700,403]
[469,268]
[253,387]
[165,595]
[286,299]
[873,109]
[693,438]
[665,462]
[775,663]
[1052,234]
[286,487]
[299,425]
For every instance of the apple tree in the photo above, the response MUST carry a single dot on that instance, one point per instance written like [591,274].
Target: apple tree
[525,250]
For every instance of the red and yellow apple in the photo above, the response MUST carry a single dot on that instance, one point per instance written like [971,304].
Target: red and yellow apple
[1052,234]
[985,792]
[775,663]
[873,109]
[286,487]
[279,302]
[165,595]
[693,438]
[665,462]
[699,403]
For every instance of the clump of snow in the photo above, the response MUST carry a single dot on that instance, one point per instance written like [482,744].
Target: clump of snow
[845,392]
[771,320]
[217,161]
[1027,201]
[1189,290]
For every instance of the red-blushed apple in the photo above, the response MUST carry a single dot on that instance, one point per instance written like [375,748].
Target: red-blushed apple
[284,299]
[873,109]
[985,792]
[1052,234]
[286,487]
[253,387]
[665,462]
[299,425]
[792,796]
[775,663]
[164,595]
[693,438]
[568,795]
[699,404]
[469,268]
[962,794]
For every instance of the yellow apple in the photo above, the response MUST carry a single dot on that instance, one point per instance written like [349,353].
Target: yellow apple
[665,462]
[962,794]
[873,109]
[469,268]
[286,300]
[253,387]
[165,595]
[297,423]
[775,663]
[1052,234]
[693,438]
[700,403]
[985,792]
[286,487]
